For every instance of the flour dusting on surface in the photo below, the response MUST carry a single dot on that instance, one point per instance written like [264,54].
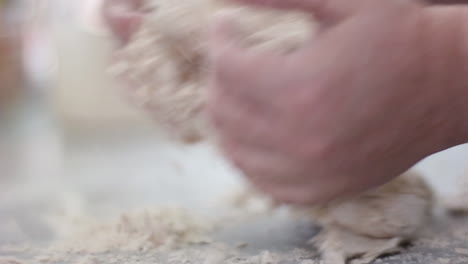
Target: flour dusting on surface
[140,230]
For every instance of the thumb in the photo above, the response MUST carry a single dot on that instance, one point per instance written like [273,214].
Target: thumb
[234,64]
[224,35]
[123,17]
[227,56]
[325,11]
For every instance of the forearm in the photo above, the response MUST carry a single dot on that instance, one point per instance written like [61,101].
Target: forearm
[447,2]
[447,58]
[464,71]
[456,26]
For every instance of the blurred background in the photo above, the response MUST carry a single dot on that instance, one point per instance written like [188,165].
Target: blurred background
[70,143]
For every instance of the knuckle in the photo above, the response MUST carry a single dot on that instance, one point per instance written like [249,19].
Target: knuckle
[228,68]
[212,107]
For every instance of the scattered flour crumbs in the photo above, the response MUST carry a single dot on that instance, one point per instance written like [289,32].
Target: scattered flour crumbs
[10,260]
[171,235]
[159,235]
[141,230]
[355,231]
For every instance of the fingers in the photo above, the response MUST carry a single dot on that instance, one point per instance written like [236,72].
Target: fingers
[224,37]
[269,165]
[243,124]
[242,116]
[227,55]
[228,59]
[297,193]
[123,17]
[302,5]
[240,69]
[325,11]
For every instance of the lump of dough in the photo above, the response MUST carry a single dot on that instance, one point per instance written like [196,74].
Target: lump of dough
[166,61]
[360,229]
[374,223]
[398,208]
[340,246]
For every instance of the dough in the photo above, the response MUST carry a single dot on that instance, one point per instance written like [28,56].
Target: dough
[398,208]
[360,229]
[339,246]
[374,223]
[166,62]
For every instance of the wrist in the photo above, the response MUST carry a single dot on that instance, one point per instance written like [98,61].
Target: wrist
[461,87]
[464,72]
[448,64]
[447,2]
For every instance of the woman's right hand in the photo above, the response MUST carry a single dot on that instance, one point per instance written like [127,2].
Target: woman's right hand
[123,17]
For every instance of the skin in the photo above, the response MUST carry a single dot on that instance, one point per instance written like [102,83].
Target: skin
[123,17]
[381,87]
[11,74]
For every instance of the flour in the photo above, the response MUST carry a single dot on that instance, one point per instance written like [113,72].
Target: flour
[166,62]
[357,230]
[141,231]
[88,260]
[248,200]
[16,249]
[338,246]
[10,260]
[369,225]
[374,223]
[399,208]
[47,258]
[231,257]
[462,251]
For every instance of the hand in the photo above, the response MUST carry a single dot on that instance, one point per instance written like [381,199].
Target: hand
[123,17]
[380,88]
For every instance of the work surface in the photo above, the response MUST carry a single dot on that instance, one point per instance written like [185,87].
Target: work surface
[104,176]
[283,241]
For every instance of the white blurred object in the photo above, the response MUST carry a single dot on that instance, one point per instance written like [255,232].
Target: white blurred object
[444,169]
[84,96]
[38,57]
[90,18]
